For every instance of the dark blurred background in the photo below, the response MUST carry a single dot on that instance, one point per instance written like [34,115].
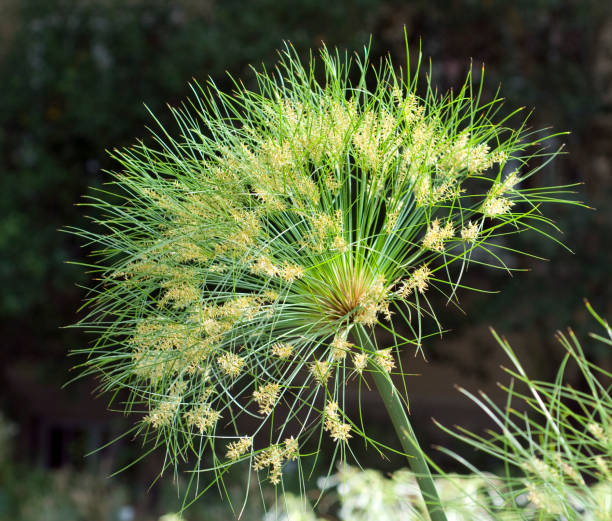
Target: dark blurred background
[74,80]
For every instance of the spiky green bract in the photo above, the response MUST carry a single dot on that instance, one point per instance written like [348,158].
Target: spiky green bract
[554,440]
[234,258]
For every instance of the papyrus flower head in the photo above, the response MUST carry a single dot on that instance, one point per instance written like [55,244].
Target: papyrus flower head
[248,246]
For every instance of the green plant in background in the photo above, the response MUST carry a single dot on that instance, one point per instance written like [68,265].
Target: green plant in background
[244,264]
[554,440]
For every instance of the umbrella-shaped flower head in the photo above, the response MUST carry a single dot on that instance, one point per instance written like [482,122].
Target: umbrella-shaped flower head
[239,253]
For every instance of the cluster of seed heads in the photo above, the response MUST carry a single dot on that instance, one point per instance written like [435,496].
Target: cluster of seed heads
[246,250]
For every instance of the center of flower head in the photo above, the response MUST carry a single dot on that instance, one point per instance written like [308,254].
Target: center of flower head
[357,296]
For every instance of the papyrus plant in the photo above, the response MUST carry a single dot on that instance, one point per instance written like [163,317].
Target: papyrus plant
[244,259]
[554,439]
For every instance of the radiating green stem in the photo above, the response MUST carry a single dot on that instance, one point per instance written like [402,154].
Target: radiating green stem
[403,428]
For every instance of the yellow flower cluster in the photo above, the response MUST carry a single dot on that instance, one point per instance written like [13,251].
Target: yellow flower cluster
[341,119]
[291,272]
[600,433]
[547,473]
[494,206]
[456,155]
[231,364]
[421,151]
[375,139]
[321,371]
[360,361]
[288,272]
[266,397]
[339,244]
[469,233]
[282,349]
[264,266]
[203,417]
[478,159]
[291,448]
[159,334]
[181,294]
[156,339]
[436,235]
[541,469]
[429,149]
[411,111]
[246,228]
[338,430]
[239,448]
[543,500]
[323,228]
[418,280]
[340,346]
[596,430]
[384,359]
[277,166]
[495,203]
[475,158]
[164,413]
[216,319]
[274,456]
[278,155]
[154,343]
[317,131]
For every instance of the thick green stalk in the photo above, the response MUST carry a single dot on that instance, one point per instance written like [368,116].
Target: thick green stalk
[403,428]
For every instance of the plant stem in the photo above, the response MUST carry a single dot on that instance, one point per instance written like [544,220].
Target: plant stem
[403,428]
